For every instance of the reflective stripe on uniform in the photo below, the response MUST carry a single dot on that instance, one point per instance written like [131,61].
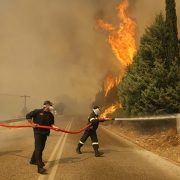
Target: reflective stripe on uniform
[92,119]
[95,143]
[81,142]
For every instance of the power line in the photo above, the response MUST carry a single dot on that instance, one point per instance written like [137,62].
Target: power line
[6,94]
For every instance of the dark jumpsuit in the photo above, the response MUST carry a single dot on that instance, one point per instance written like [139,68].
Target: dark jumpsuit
[91,131]
[41,117]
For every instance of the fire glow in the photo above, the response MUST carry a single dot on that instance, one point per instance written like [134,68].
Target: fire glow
[110,82]
[122,38]
[110,109]
[123,44]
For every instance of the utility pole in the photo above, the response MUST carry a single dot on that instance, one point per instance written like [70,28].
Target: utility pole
[25,103]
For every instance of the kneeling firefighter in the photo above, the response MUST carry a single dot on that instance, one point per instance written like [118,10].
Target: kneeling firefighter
[91,131]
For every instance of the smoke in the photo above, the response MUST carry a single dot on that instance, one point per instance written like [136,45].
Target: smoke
[144,12]
[51,49]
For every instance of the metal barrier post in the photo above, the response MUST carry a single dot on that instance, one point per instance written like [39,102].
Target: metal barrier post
[178,123]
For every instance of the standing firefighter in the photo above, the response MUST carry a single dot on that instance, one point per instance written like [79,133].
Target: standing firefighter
[91,131]
[41,117]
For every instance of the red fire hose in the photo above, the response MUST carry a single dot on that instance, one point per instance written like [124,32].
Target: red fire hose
[49,127]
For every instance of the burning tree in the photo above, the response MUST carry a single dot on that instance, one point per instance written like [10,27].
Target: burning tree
[149,82]
[123,44]
[152,83]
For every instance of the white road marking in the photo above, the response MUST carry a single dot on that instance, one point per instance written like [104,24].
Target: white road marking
[58,147]
[54,168]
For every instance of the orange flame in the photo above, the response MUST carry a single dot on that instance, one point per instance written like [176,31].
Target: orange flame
[122,39]
[123,44]
[111,109]
[110,82]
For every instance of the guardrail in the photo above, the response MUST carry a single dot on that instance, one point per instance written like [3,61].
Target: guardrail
[175,116]
[147,118]
[178,123]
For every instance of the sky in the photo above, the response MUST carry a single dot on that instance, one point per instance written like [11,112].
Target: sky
[53,50]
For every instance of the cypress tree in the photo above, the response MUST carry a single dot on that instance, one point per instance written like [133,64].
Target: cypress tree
[172,32]
[149,87]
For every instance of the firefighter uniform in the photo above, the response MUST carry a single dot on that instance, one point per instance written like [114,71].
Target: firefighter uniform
[41,117]
[91,132]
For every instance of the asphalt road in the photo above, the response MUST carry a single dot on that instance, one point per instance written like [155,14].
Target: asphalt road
[122,159]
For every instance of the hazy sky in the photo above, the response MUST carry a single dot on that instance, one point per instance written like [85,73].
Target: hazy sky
[144,12]
[52,50]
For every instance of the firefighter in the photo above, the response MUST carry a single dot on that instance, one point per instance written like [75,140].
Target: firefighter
[41,117]
[91,131]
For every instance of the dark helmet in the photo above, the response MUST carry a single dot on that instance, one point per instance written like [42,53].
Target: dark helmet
[96,110]
[96,107]
[48,103]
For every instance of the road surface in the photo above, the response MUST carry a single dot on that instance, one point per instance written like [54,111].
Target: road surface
[122,160]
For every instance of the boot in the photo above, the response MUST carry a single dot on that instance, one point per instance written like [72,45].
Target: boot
[42,164]
[33,162]
[96,151]
[41,170]
[78,149]
[98,154]
[33,159]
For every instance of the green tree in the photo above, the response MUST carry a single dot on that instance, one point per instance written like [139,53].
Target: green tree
[172,32]
[149,87]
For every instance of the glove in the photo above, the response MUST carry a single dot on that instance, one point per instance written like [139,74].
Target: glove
[55,127]
[34,125]
[96,120]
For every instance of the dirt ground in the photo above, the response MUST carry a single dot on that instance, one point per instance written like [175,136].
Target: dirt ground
[165,143]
